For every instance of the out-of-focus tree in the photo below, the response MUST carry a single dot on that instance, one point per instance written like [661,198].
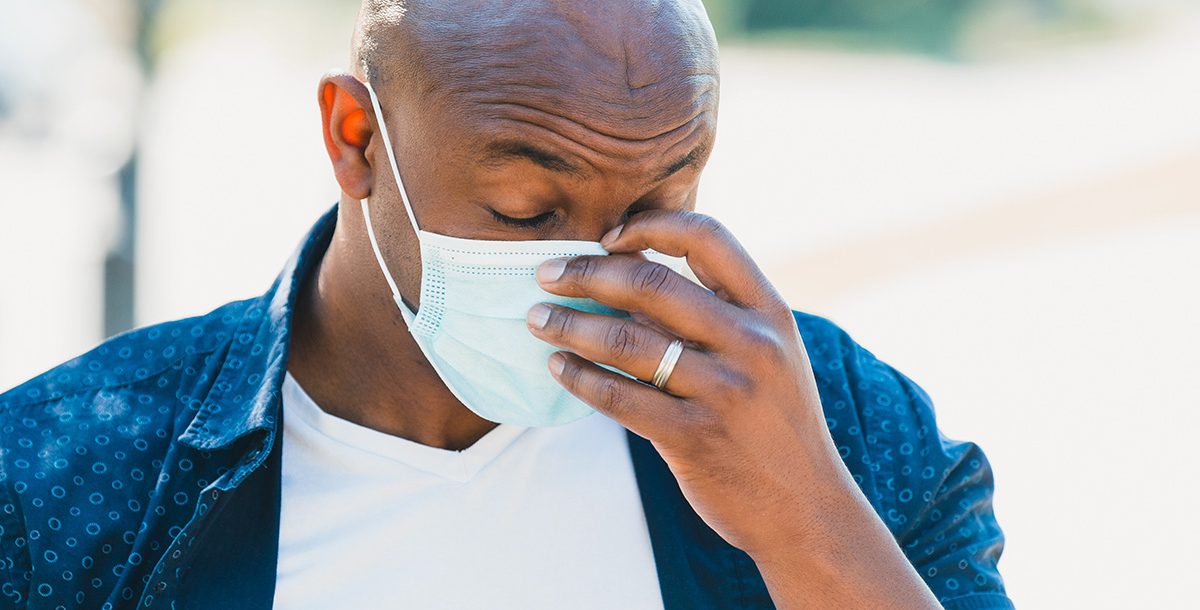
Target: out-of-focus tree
[937,27]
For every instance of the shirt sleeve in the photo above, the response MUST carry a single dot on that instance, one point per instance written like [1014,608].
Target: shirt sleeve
[935,494]
[14,566]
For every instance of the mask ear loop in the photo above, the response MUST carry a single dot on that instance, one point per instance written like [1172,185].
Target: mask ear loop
[387,145]
[387,274]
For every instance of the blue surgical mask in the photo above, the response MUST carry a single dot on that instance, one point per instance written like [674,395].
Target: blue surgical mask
[471,322]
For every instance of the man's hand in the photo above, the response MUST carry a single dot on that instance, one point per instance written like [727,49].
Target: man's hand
[739,421]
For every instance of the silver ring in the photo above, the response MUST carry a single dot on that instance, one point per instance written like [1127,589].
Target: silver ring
[667,365]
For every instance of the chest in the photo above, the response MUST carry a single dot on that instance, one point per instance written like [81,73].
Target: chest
[542,519]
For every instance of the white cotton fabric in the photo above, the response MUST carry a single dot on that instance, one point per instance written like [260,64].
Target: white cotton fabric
[528,518]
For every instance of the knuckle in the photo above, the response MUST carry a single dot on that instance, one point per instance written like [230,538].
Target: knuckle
[653,217]
[762,340]
[610,396]
[772,303]
[652,279]
[582,269]
[570,374]
[621,341]
[561,322]
[782,315]
[704,225]
[735,387]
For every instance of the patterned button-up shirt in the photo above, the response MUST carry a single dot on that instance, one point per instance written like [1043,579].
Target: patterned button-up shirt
[145,473]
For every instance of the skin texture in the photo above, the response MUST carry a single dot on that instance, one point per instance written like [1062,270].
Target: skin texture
[587,116]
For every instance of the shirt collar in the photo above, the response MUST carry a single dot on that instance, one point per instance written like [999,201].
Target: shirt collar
[697,569]
[246,394]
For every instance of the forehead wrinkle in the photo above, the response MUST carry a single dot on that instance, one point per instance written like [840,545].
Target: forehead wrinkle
[624,44]
[577,131]
[564,53]
[610,80]
[578,82]
[580,142]
[648,117]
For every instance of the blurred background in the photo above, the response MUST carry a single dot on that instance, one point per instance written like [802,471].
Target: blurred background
[999,197]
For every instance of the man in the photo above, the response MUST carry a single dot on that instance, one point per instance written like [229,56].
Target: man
[399,421]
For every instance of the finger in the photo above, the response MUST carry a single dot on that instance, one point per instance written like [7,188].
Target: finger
[717,258]
[642,409]
[621,343]
[635,284]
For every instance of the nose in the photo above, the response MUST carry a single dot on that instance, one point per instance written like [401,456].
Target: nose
[590,220]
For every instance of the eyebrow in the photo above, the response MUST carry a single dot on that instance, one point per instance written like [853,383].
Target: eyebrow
[692,159]
[507,150]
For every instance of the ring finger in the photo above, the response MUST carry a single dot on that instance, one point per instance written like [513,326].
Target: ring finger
[622,343]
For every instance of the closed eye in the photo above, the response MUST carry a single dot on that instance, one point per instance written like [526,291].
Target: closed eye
[524,223]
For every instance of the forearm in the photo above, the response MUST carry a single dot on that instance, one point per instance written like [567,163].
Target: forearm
[846,558]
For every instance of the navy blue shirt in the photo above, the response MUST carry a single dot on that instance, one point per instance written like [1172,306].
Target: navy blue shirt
[145,473]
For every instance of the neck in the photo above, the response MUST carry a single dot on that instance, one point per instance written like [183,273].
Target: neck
[352,352]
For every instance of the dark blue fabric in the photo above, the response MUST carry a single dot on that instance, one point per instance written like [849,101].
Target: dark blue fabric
[145,472]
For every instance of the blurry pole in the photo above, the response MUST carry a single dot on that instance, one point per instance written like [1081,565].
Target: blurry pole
[119,261]
[119,287]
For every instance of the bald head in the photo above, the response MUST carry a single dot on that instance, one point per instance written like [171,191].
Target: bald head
[523,119]
[516,120]
[628,69]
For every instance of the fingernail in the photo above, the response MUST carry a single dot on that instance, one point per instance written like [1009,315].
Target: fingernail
[538,315]
[611,236]
[557,363]
[551,270]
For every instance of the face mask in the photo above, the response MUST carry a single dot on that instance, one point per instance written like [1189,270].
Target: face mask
[471,323]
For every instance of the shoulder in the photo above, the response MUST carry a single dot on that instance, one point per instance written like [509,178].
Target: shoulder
[851,378]
[131,357]
[127,383]
[849,369]
[932,492]
[139,389]
[882,422]
[133,385]
[85,446]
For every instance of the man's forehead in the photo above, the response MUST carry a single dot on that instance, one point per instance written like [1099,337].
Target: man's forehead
[500,151]
[578,140]
[628,69]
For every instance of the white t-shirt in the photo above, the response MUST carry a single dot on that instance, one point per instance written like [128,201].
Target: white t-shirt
[524,518]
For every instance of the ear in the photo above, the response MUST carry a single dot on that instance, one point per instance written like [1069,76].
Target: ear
[345,108]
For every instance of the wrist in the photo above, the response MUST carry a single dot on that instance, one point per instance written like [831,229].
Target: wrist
[814,525]
[839,554]
[823,507]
